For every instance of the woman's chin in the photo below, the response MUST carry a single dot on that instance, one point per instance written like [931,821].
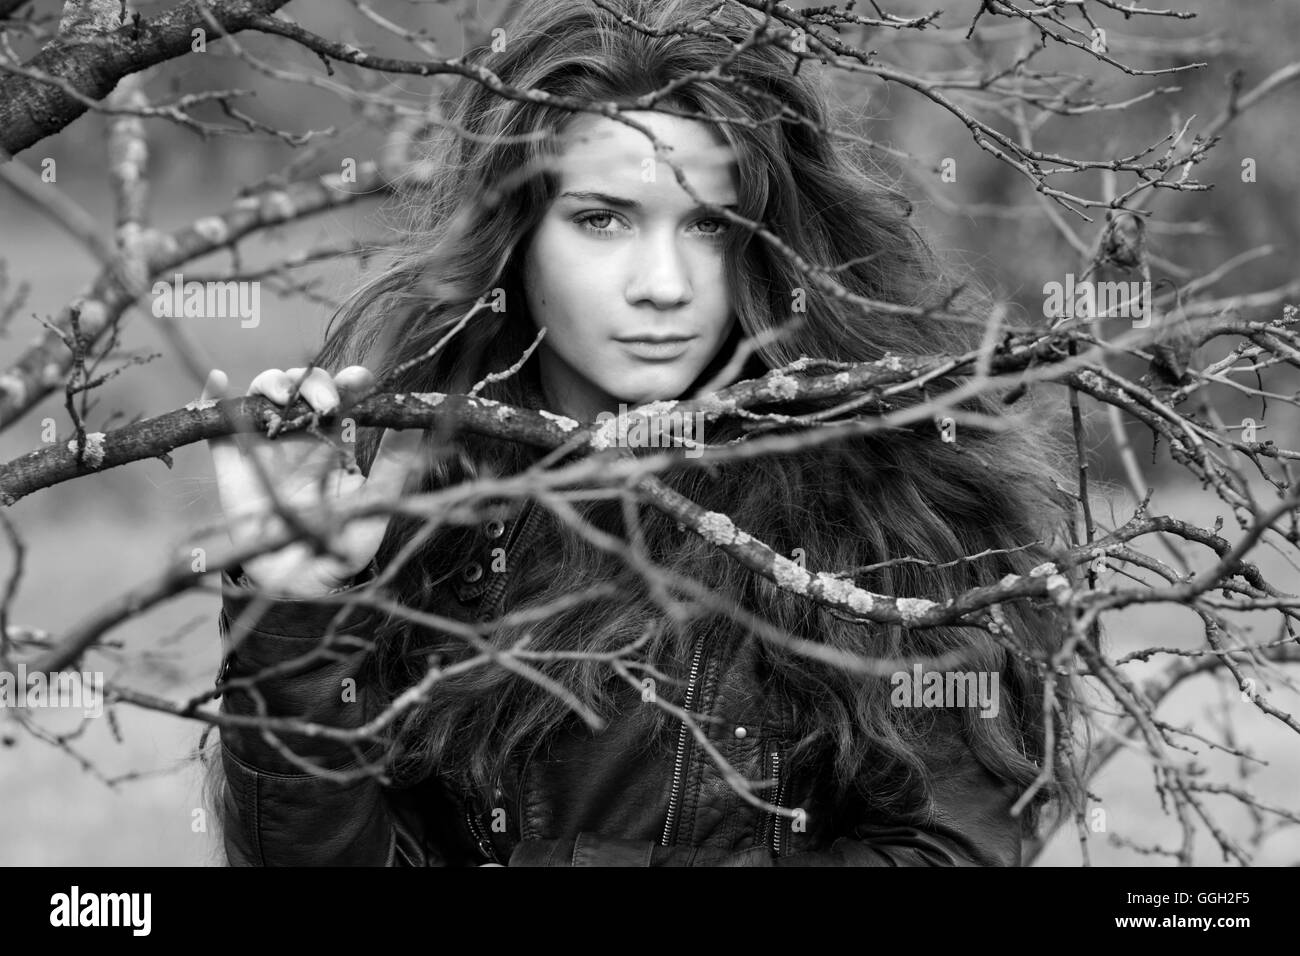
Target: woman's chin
[656,392]
[645,398]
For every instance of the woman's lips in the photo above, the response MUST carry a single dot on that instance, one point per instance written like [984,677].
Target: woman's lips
[660,350]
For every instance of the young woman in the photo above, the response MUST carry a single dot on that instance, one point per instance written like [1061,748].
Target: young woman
[573,222]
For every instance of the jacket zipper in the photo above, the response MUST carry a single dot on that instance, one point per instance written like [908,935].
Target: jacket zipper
[480,836]
[683,741]
[778,830]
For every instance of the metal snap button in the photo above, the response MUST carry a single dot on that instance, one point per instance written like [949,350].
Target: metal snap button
[495,528]
[741,733]
[472,572]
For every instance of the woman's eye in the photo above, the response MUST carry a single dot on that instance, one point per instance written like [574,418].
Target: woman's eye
[591,221]
[721,226]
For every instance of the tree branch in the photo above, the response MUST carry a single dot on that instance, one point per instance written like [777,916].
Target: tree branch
[92,52]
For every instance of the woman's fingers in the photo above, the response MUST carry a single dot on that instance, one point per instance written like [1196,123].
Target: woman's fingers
[215,386]
[317,388]
[352,383]
[353,380]
[273,384]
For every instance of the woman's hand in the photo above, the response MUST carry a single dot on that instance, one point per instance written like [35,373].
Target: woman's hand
[305,472]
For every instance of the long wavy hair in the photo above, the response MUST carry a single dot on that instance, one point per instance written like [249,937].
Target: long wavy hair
[847,504]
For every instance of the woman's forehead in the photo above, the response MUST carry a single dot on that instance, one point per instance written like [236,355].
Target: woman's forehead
[602,155]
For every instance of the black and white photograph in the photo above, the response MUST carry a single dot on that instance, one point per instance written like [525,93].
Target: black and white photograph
[651,433]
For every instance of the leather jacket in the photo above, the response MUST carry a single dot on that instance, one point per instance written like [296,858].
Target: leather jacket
[592,799]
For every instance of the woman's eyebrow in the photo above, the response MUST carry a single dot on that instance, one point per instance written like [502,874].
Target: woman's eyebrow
[618,201]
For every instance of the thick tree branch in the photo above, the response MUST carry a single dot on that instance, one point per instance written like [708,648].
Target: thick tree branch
[92,52]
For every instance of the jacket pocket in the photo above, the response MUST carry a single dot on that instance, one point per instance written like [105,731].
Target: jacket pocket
[280,819]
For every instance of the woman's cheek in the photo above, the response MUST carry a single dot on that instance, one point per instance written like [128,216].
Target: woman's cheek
[585,306]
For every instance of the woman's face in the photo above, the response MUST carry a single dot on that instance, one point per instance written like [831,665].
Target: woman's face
[625,255]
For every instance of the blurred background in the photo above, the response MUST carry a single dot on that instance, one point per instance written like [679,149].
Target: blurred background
[126,791]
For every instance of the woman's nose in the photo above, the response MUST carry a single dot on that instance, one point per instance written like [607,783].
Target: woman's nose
[659,273]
